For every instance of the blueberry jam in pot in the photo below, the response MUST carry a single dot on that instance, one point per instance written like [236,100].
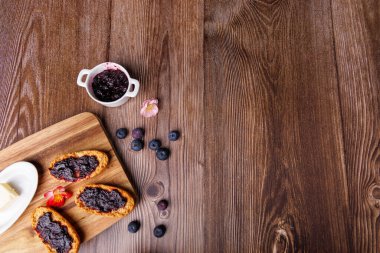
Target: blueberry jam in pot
[72,169]
[102,200]
[54,233]
[110,85]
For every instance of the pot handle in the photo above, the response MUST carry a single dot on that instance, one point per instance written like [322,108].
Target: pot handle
[82,73]
[133,83]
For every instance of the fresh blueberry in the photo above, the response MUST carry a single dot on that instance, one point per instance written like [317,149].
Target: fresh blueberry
[159,231]
[137,145]
[173,135]
[121,133]
[134,226]
[162,153]
[162,204]
[154,144]
[138,133]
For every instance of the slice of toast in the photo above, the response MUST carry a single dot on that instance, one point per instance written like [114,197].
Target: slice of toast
[40,211]
[101,157]
[120,212]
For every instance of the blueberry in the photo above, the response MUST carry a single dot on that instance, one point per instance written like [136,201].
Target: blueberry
[121,133]
[162,154]
[173,135]
[154,144]
[137,145]
[159,231]
[162,204]
[138,133]
[134,226]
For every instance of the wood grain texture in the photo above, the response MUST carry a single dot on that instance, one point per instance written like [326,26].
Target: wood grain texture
[277,103]
[357,54]
[81,132]
[279,153]
[11,56]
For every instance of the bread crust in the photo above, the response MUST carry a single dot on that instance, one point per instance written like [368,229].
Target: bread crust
[56,217]
[115,213]
[100,156]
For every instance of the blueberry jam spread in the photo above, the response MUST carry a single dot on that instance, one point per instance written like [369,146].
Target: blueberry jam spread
[110,85]
[102,200]
[53,233]
[73,168]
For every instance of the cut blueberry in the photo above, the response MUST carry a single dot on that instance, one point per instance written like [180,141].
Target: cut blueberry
[121,133]
[138,133]
[162,154]
[173,135]
[137,145]
[134,226]
[154,144]
[162,204]
[159,231]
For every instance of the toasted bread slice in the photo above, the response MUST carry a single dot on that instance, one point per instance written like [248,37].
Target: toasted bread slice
[101,157]
[55,216]
[119,212]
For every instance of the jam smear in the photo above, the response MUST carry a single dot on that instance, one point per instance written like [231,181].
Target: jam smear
[110,85]
[54,233]
[102,200]
[74,168]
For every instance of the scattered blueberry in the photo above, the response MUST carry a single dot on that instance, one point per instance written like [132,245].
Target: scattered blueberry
[121,133]
[154,144]
[162,153]
[173,135]
[138,133]
[137,145]
[162,204]
[134,226]
[159,231]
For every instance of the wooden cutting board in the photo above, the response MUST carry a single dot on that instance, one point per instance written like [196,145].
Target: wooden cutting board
[81,132]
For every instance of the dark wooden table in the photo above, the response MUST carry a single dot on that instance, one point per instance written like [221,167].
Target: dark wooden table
[277,103]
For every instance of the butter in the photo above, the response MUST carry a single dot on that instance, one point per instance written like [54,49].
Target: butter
[7,195]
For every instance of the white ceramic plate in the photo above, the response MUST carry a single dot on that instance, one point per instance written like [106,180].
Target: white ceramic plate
[23,177]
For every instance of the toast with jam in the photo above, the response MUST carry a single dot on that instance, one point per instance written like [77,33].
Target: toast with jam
[78,166]
[55,232]
[104,200]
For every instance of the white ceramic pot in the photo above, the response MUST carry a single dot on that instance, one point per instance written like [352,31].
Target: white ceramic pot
[89,74]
